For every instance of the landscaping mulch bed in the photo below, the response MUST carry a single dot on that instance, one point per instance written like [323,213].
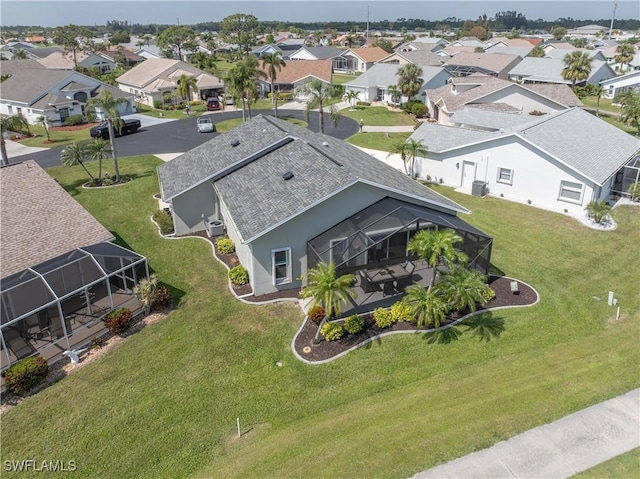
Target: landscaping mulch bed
[84,126]
[325,350]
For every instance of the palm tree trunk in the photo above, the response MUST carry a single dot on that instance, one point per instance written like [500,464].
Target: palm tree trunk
[116,170]
[3,152]
[93,180]
[244,107]
[321,119]
[274,97]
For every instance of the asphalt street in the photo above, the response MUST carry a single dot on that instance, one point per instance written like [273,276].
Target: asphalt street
[182,135]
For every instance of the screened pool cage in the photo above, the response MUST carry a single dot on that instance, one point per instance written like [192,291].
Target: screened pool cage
[60,304]
[627,176]
[378,236]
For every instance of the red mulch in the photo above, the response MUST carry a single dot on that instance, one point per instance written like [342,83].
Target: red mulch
[84,126]
[328,349]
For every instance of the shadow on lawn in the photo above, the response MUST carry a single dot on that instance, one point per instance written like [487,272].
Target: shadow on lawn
[483,326]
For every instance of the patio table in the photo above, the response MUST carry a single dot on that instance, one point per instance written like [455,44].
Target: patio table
[389,277]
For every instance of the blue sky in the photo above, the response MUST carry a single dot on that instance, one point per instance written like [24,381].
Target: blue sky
[89,12]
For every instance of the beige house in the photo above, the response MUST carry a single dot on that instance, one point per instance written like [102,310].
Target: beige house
[152,79]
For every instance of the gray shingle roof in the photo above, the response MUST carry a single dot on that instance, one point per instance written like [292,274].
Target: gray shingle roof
[490,120]
[40,220]
[256,195]
[547,69]
[27,86]
[583,142]
[323,53]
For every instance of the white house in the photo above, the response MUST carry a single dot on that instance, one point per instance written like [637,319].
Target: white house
[614,87]
[560,161]
[549,70]
[56,94]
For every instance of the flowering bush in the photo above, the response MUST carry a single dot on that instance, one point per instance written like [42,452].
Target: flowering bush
[316,314]
[26,374]
[118,321]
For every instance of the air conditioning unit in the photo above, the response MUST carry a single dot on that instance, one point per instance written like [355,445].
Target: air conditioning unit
[216,228]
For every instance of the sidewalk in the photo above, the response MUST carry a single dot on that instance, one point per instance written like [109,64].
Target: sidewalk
[561,449]
[15,148]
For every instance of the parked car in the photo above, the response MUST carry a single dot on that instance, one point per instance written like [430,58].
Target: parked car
[102,130]
[205,124]
[213,104]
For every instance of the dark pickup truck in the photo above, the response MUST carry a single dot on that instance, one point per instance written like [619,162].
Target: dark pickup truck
[102,130]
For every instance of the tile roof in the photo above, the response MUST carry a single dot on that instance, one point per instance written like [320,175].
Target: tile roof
[256,195]
[296,70]
[39,219]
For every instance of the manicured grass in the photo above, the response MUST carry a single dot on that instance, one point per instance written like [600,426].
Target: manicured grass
[378,141]
[605,104]
[165,402]
[339,78]
[173,114]
[378,116]
[59,138]
[621,467]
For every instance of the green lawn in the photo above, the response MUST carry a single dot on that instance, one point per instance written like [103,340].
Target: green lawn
[59,138]
[165,402]
[340,78]
[378,116]
[378,141]
[625,466]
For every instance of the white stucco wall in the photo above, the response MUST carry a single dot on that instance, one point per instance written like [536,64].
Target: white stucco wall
[535,175]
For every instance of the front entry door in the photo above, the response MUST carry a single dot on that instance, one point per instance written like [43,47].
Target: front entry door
[468,174]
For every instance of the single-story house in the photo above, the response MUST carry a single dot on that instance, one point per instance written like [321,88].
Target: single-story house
[491,93]
[358,59]
[614,87]
[290,198]
[295,74]
[431,44]
[560,161]
[11,67]
[594,54]
[56,288]
[417,57]
[148,52]
[64,61]
[316,53]
[587,31]
[269,49]
[549,70]
[373,85]
[495,64]
[56,94]
[130,58]
[564,46]
[150,80]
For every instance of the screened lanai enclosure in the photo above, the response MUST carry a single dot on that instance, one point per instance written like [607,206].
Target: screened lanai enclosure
[372,244]
[60,304]
[627,176]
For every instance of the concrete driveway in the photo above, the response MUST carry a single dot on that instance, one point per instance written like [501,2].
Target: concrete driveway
[146,120]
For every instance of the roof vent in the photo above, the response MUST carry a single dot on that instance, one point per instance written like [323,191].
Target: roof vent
[235,142]
[325,143]
[287,175]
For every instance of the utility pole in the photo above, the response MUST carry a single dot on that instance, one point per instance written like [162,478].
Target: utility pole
[368,22]
[613,15]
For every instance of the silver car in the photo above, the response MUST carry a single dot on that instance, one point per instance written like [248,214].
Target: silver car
[205,124]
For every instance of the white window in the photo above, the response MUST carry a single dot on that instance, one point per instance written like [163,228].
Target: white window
[281,266]
[570,191]
[505,175]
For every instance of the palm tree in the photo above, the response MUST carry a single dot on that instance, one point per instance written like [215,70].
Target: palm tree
[186,84]
[108,105]
[437,247]
[426,306]
[145,291]
[402,148]
[537,52]
[319,93]
[272,62]
[76,154]
[598,210]
[624,54]
[97,149]
[395,94]
[630,112]
[328,290]
[577,67]
[415,148]
[409,80]
[598,91]
[17,123]
[462,289]
[43,121]
[352,97]
[241,79]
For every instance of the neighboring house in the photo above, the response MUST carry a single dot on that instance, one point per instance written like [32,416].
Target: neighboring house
[567,47]
[596,55]
[35,39]
[587,31]
[549,70]
[290,198]
[358,59]
[56,286]
[56,94]
[417,57]
[472,42]
[505,49]
[64,61]
[148,51]
[559,162]
[509,42]
[494,64]
[316,53]
[614,87]
[373,85]
[131,59]
[295,74]
[430,44]
[11,67]
[490,93]
[155,79]
[267,49]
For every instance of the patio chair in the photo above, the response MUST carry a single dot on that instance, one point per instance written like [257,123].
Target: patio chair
[366,284]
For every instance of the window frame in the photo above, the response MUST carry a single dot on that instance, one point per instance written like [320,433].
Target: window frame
[574,189]
[503,181]
[287,263]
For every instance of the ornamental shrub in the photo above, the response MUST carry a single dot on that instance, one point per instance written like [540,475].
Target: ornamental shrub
[363,103]
[26,374]
[74,120]
[162,299]
[354,324]
[225,246]
[401,311]
[488,294]
[164,220]
[332,331]
[239,275]
[316,314]
[118,321]
[383,318]
[419,110]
